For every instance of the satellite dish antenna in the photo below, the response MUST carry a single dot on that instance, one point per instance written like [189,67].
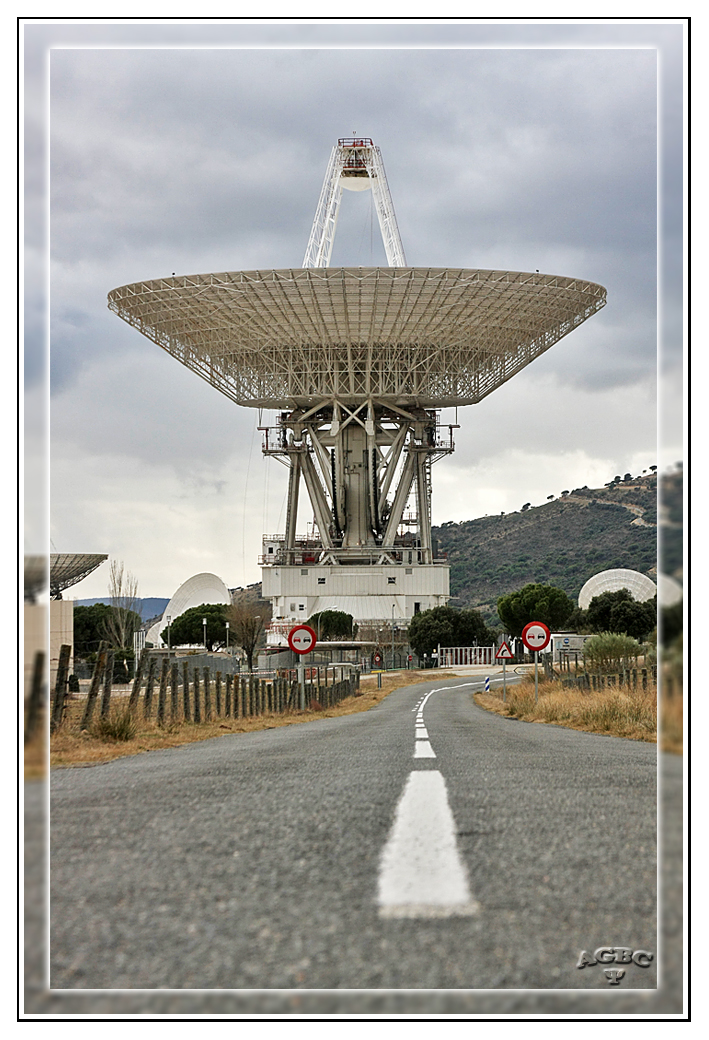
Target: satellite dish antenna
[357,361]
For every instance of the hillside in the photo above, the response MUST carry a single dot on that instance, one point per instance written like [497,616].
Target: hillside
[563,542]
[671,522]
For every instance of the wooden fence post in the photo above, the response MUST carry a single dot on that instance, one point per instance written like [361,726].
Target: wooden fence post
[162,695]
[148,699]
[93,689]
[227,695]
[137,680]
[218,693]
[35,695]
[107,685]
[174,692]
[207,696]
[186,691]
[60,687]
[197,708]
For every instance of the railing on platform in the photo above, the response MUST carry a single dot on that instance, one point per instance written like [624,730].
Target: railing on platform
[451,656]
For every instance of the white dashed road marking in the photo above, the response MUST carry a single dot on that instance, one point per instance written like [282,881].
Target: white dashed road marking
[423,749]
[421,872]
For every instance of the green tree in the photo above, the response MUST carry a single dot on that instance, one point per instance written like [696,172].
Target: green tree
[534,602]
[123,665]
[634,619]
[188,630]
[446,626]
[577,621]
[470,630]
[332,624]
[95,624]
[90,628]
[619,612]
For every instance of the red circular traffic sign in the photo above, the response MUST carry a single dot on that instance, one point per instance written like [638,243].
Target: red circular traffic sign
[302,639]
[536,635]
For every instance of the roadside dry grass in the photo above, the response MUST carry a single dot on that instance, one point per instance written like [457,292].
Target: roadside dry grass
[71,747]
[672,723]
[619,713]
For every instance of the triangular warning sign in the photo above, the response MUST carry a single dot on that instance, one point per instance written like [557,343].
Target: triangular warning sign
[504,653]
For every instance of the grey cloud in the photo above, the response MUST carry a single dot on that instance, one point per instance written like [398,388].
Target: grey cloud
[495,158]
[190,161]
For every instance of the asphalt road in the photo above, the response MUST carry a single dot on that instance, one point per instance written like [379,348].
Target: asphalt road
[255,861]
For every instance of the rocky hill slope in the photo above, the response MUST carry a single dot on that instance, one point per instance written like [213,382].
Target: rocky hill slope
[563,542]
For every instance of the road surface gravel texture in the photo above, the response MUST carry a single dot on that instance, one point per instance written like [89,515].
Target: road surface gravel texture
[253,861]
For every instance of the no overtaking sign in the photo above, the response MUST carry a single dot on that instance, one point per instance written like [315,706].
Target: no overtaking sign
[302,639]
[536,635]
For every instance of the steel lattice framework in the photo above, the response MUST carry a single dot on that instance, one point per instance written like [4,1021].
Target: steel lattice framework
[426,337]
[356,164]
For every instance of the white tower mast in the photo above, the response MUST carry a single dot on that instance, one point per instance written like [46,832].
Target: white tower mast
[355,164]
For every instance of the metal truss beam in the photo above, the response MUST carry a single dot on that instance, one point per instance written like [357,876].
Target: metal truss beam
[353,161]
[351,461]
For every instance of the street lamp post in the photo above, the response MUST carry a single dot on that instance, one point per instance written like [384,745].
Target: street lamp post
[392,636]
[227,637]
[204,629]
[169,619]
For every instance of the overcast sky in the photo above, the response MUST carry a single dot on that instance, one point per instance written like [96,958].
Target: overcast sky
[180,149]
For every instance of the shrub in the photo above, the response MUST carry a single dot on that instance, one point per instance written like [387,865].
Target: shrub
[610,652]
[121,726]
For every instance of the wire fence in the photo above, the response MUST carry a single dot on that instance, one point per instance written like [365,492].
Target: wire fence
[170,691]
[630,678]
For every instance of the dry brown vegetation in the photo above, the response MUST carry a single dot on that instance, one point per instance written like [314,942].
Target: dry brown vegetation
[72,747]
[616,712]
[672,723]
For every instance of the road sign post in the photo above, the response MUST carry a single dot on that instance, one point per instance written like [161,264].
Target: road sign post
[536,636]
[302,640]
[504,654]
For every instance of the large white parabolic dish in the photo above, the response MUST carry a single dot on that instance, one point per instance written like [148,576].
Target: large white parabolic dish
[403,336]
